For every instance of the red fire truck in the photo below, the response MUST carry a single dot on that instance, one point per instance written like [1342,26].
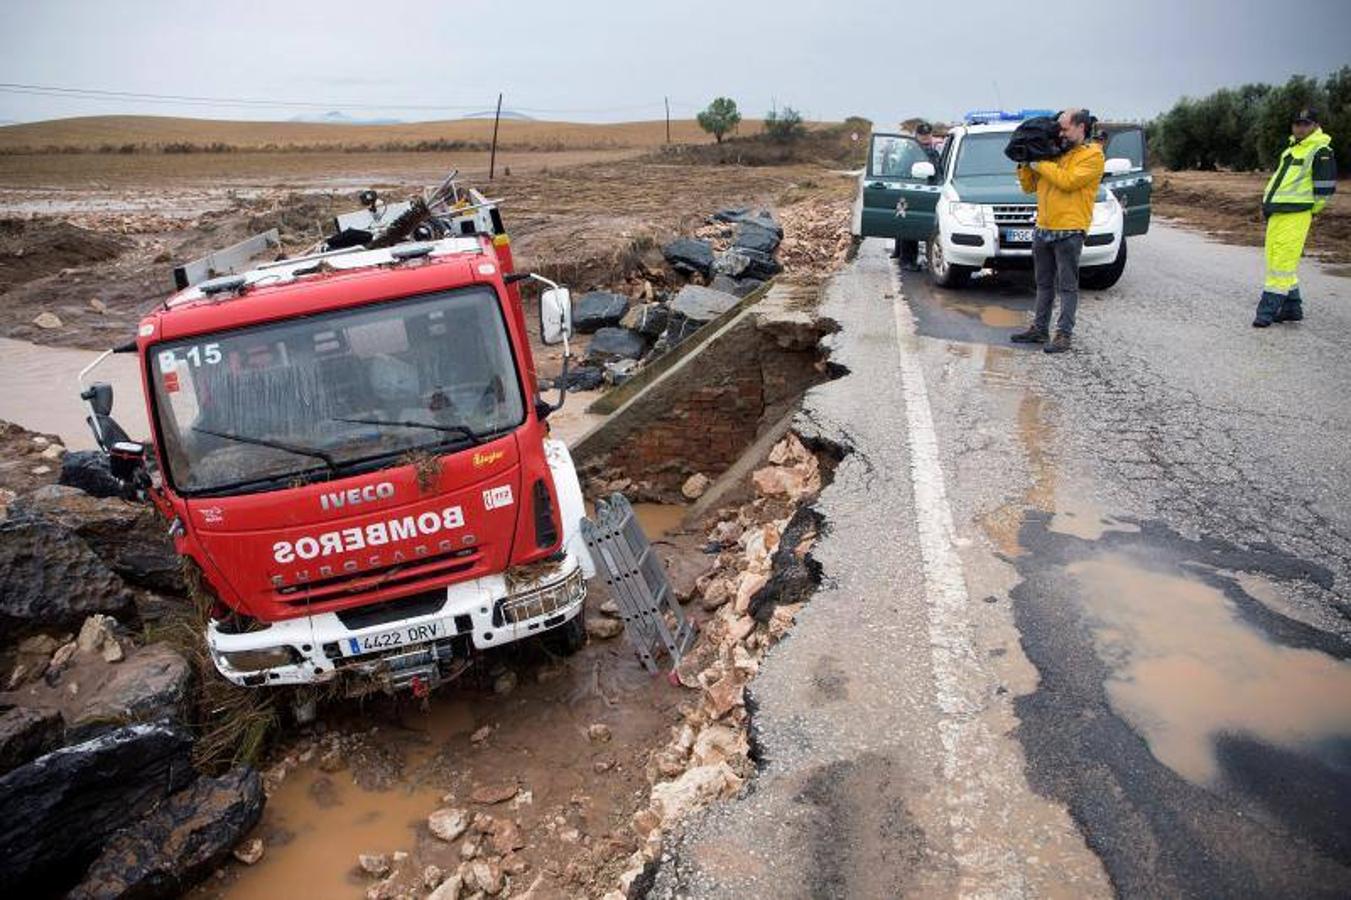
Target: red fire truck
[352,449]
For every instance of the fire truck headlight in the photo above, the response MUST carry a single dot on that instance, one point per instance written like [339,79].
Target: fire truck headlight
[257,660]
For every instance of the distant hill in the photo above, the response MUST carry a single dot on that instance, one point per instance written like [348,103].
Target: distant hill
[506,114]
[111,132]
[340,118]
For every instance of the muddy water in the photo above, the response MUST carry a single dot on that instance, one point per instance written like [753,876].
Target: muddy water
[1186,668]
[41,391]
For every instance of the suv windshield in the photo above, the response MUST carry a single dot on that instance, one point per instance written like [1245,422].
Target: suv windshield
[983,154]
[263,407]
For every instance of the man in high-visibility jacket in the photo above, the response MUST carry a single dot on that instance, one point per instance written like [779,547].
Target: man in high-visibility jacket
[1305,178]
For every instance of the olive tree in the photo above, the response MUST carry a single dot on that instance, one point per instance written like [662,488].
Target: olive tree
[720,117]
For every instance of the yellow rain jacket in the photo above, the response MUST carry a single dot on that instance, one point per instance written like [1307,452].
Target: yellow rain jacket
[1065,187]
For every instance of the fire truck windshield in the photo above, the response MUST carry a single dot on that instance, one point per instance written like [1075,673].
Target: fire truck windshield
[268,406]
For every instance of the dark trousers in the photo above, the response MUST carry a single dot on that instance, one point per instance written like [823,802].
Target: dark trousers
[1057,270]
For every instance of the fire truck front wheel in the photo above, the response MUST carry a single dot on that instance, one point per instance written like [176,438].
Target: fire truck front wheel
[567,638]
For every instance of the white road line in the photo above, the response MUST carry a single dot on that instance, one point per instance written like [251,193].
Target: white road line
[986,866]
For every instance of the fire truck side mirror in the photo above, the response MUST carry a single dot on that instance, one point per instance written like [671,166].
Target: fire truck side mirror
[555,315]
[99,396]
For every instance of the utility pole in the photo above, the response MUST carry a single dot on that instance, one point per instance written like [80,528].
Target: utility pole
[497,118]
[668,119]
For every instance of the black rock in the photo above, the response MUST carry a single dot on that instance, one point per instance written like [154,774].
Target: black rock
[751,236]
[583,378]
[598,309]
[130,537]
[60,809]
[740,262]
[616,343]
[88,470]
[180,843]
[154,683]
[50,579]
[650,320]
[738,287]
[792,579]
[693,308]
[744,215]
[689,255]
[26,734]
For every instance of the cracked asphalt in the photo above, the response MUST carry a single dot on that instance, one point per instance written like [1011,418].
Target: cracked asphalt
[1085,623]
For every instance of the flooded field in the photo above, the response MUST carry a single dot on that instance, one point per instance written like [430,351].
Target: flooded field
[42,391]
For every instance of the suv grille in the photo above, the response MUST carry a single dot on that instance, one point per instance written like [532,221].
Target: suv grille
[1015,214]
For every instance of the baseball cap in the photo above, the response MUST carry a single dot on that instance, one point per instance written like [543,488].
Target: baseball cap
[1307,114]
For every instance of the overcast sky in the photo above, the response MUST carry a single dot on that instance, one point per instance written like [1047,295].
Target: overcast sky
[597,60]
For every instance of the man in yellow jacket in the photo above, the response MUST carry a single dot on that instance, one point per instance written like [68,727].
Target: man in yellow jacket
[1303,183]
[1066,188]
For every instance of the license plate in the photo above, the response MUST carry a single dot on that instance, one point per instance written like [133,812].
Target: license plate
[1017,235]
[397,637]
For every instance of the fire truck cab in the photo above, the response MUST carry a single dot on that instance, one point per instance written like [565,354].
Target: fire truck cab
[353,452]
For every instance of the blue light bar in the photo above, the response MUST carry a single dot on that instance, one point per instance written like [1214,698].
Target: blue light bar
[986,116]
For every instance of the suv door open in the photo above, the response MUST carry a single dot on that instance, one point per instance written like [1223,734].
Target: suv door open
[895,202]
[1132,188]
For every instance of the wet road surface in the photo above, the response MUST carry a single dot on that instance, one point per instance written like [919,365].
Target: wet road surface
[1085,627]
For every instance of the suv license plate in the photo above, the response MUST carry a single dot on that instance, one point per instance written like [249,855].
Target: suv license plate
[397,637]
[1017,235]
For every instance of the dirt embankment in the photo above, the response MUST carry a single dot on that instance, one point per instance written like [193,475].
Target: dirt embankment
[1229,205]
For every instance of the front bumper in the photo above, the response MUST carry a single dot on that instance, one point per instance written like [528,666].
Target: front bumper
[475,615]
[981,248]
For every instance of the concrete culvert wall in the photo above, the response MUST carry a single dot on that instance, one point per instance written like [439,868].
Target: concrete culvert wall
[701,416]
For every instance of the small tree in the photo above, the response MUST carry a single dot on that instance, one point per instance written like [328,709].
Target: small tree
[784,126]
[720,117]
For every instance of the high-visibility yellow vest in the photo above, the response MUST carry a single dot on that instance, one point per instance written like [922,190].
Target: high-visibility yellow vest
[1305,177]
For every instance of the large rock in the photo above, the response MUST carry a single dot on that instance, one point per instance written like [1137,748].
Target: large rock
[129,537]
[752,236]
[179,844]
[693,308]
[583,378]
[60,809]
[648,319]
[49,578]
[26,734]
[689,255]
[598,309]
[616,343]
[740,262]
[88,470]
[740,215]
[153,683]
[738,287]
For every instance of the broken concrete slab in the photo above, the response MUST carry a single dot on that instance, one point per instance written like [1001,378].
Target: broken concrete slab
[598,309]
[616,343]
[689,255]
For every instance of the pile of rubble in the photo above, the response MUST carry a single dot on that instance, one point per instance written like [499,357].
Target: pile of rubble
[762,577]
[818,238]
[699,279]
[96,755]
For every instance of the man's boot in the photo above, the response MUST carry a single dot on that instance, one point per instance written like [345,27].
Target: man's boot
[1267,307]
[1059,344]
[1291,308]
[1033,335]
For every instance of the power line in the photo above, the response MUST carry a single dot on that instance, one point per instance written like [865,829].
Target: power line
[104,95]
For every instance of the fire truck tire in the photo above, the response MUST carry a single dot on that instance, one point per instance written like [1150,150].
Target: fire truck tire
[567,638]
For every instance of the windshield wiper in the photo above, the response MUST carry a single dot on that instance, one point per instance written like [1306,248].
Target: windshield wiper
[469,435]
[276,445]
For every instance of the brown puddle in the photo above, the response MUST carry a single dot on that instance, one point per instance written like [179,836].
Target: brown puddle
[990,314]
[657,519]
[42,391]
[1187,668]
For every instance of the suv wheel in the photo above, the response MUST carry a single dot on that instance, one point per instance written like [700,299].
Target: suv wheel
[1100,278]
[945,274]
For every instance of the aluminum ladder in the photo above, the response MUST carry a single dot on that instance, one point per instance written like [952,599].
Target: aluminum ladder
[637,581]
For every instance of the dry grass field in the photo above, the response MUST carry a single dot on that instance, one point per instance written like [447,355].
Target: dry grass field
[111,133]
